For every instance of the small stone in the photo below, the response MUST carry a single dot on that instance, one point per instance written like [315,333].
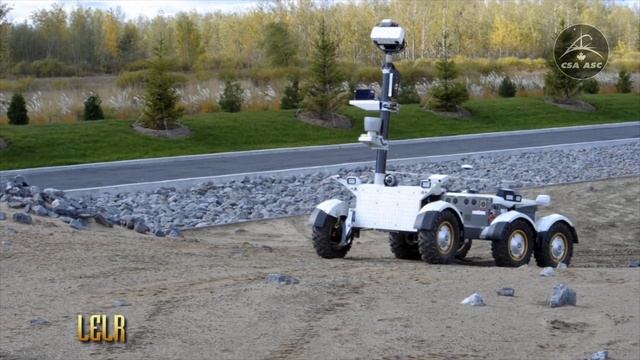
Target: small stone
[15,204]
[66,219]
[22,218]
[174,233]
[474,300]
[39,321]
[103,220]
[159,233]
[40,210]
[634,263]
[561,266]
[78,224]
[275,278]
[562,295]
[548,272]
[3,216]
[506,291]
[266,248]
[600,355]
[141,227]
[120,303]
[9,231]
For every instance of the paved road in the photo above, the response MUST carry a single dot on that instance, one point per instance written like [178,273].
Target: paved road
[107,174]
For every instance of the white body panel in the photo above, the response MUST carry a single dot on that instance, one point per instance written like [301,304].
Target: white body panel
[439,206]
[388,208]
[369,105]
[508,217]
[544,223]
[334,207]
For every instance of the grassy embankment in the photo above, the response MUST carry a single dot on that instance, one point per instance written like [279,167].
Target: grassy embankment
[107,140]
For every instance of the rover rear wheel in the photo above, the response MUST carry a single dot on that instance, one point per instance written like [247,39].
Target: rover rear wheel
[515,245]
[440,244]
[326,239]
[404,245]
[556,246]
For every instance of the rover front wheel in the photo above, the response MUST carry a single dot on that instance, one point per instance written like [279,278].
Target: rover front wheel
[440,244]
[326,239]
[515,245]
[556,246]
[404,245]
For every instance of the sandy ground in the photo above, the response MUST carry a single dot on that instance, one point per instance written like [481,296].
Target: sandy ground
[207,298]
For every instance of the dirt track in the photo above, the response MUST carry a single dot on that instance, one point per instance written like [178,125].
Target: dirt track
[206,297]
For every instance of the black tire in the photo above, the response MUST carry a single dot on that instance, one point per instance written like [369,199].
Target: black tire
[502,250]
[404,245]
[430,250]
[544,254]
[464,249]
[326,239]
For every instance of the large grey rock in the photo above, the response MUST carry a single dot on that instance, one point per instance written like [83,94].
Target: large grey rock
[474,300]
[103,220]
[40,210]
[22,218]
[600,355]
[562,295]
[16,204]
[141,227]
[78,224]
[3,216]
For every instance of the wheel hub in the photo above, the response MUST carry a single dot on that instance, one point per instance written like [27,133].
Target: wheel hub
[445,237]
[558,247]
[517,245]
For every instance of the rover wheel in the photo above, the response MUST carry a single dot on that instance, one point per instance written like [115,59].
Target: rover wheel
[515,246]
[556,246]
[464,249]
[439,245]
[326,239]
[404,245]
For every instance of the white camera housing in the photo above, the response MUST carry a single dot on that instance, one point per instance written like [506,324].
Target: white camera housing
[388,36]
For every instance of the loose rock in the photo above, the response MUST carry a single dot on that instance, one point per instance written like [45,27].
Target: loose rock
[506,291]
[40,210]
[78,224]
[548,272]
[22,218]
[561,266]
[103,220]
[562,295]
[600,355]
[474,300]
[276,278]
[634,263]
[3,216]
[39,321]
[120,303]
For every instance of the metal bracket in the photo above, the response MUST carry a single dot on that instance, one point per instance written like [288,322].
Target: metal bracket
[390,106]
[348,226]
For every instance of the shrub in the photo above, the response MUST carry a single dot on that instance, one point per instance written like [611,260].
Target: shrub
[590,86]
[132,78]
[624,82]
[92,108]
[231,98]
[17,112]
[291,98]
[51,68]
[407,94]
[507,88]
[447,94]
[161,111]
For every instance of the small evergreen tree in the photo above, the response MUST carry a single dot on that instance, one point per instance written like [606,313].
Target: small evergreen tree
[280,47]
[558,85]
[507,88]
[624,82]
[291,98]
[17,112]
[407,94]
[590,86]
[324,93]
[447,94]
[161,99]
[92,108]
[231,98]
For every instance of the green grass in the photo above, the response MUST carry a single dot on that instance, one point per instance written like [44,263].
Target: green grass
[107,140]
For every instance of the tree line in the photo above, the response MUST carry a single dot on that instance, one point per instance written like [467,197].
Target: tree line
[85,41]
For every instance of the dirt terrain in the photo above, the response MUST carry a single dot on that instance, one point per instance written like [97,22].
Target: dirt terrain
[206,297]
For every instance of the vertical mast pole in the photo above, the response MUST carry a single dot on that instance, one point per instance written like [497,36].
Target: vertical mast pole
[385,115]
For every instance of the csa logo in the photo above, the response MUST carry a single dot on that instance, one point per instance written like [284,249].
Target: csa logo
[581,51]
